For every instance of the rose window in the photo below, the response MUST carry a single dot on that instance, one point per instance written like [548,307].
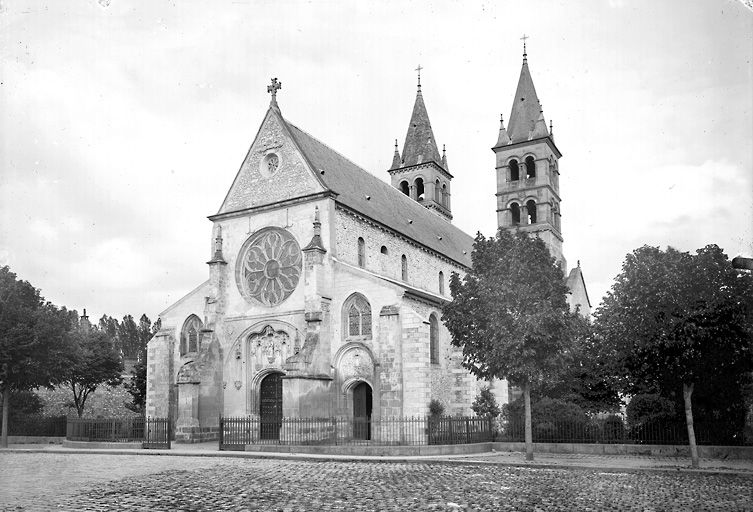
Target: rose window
[269,267]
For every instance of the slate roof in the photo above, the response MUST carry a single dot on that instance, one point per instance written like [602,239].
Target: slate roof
[365,193]
[525,108]
[420,146]
[576,278]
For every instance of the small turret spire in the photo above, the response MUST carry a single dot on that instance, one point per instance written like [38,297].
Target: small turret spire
[503,138]
[444,158]
[316,241]
[396,161]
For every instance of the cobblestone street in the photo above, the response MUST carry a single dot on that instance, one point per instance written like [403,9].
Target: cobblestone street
[51,481]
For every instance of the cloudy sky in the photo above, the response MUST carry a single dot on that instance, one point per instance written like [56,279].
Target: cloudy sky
[123,124]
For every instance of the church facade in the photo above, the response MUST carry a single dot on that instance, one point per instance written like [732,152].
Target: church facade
[326,284]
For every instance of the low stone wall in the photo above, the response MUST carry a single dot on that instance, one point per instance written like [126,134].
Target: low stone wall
[383,451]
[102,445]
[35,440]
[657,450]
[189,435]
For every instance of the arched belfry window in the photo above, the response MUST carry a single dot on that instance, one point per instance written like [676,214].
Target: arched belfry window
[530,167]
[357,317]
[437,192]
[531,207]
[445,201]
[419,184]
[441,282]
[515,213]
[189,335]
[405,188]
[361,252]
[514,170]
[433,339]
[404,267]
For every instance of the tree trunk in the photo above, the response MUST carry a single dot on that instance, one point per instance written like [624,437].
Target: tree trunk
[687,393]
[6,406]
[529,430]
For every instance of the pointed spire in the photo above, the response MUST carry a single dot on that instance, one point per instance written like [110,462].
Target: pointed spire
[420,145]
[396,158]
[525,108]
[316,241]
[444,158]
[503,138]
[217,257]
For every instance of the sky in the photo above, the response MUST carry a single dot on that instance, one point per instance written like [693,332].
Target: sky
[123,124]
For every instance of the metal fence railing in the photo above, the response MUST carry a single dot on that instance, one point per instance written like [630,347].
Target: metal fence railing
[112,430]
[237,432]
[37,425]
[615,430]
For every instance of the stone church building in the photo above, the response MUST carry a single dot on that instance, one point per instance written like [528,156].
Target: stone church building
[326,283]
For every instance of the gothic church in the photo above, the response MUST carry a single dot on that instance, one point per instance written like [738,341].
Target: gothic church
[326,284]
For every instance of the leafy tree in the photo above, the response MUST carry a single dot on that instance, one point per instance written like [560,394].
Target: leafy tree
[510,315]
[129,337]
[675,319]
[136,386]
[485,404]
[95,361]
[33,348]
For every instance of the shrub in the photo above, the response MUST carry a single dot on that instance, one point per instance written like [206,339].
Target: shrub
[436,408]
[647,408]
[551,420]
[485,404]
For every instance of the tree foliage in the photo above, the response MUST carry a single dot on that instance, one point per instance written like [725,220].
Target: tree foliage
[675,320]
[485,404]
[510,314]
[136,385]
[95,361]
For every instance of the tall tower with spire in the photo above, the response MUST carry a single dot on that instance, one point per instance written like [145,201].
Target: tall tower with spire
[527,163]
[420,172]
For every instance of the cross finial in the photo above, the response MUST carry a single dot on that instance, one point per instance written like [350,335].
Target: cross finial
[525,55]
[419,68]
[276,86]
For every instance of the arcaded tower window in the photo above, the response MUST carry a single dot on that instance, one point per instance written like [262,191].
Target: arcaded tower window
[441,282]
[530,167]
[531,207]
[514,170]
[419,184]
[404,267]
[405,188]
[515,212]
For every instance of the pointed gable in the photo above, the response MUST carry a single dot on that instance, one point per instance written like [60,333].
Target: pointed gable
[420,146]
[274,169]
[525,108]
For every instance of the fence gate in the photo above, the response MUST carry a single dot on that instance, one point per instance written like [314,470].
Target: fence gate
[156,433]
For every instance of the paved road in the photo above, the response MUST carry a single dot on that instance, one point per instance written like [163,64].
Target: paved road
[52,481]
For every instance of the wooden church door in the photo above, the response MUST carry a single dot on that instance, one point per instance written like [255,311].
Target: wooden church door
[362,411]
[270,406]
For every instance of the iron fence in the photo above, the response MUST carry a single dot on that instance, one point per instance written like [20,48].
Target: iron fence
[37,425]
[237,432]
[614,430]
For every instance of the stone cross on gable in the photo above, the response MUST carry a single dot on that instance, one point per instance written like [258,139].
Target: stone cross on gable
[276,86]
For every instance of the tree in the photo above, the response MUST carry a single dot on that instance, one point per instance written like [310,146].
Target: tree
[510,315]
[676,319]
[95,361]
[136,386]
[485,404]
[129,338]
[33,348]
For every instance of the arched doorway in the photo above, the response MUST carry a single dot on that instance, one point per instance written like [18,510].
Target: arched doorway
[270,406]
[362,411]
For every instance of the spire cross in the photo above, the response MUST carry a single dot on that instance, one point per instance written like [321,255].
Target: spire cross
[419,68]
[524,45]
[276,86]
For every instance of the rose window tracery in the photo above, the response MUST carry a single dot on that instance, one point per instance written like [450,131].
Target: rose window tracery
[269,267]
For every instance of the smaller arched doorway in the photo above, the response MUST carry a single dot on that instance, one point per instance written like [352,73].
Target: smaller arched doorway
[270,406]
[362,411]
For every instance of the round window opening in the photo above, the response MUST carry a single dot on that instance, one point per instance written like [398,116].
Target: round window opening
[269,164]
[269,267]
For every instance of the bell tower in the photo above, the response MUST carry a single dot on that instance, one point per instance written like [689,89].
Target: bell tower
[420,172]
[527,163]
